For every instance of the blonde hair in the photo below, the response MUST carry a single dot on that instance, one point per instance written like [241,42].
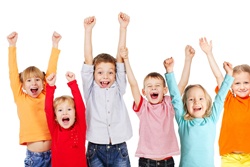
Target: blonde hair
[155,75]
[187,116]
[30,72]
[241,68]
[63,99]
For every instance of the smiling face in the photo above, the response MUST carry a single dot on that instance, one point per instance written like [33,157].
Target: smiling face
[104,74]
[154,88]
[32,80]
[197,102]
[65,111]
[241,84]
[33,86]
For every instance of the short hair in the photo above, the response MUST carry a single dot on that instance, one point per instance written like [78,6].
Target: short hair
[30,72]
[104,58]
[62,99]
[241,68]
[187,116]
[154,75]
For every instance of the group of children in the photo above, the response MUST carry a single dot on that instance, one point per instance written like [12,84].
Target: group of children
[55,129]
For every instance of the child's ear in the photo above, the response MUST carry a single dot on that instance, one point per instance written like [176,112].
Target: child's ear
[165,90]
[143,92]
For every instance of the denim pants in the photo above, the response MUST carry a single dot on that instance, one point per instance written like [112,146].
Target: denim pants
[38,159]
[145,162]
[107,155]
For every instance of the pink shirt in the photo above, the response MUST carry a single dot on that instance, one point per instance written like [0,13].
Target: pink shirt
[157,138]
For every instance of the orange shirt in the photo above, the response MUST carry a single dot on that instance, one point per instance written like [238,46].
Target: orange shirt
[235,128]
[33,123]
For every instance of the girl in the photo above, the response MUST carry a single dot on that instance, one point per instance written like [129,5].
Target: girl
[196,117]
[67,124]
[234,137]
[29,94]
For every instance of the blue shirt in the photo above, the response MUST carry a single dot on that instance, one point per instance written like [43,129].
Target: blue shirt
[197,136]
[107,115]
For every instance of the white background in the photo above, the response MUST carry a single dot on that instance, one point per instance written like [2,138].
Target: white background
[157,30]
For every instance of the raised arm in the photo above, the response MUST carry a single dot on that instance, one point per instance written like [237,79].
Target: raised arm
[130,75]
[52,65]
[55,39]
[189,54]
[169,64]
[49,97]
[207,49]
[12,39]
[79,104]
[89,23]
[124,21]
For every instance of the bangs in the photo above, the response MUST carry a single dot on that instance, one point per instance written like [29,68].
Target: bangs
[31,72]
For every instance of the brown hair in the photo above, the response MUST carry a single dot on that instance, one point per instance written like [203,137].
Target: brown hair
[30,72]
[104,58]
[187,116]
[241,68]
[155,75]
[62,99]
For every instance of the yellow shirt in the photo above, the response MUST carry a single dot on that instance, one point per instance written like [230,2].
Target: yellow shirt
[33,123]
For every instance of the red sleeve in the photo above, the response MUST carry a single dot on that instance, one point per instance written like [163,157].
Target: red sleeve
[137,108]
[49,109]
[79,104]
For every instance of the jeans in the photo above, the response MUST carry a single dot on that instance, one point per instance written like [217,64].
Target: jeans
[38,159]
[145,162]
[107,155]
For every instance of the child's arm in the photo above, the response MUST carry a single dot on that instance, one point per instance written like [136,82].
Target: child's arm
[52,66]
[173,89]
[189,54]
[124,21]
[131,78]
[15,82]
[79,105]
[12,39]
[207,49]
[49,97]
[89,23]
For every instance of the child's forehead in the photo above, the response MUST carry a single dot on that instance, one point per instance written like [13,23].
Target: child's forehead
[105,65]
[153,80]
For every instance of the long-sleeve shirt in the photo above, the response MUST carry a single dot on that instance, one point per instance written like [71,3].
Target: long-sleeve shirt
[107,115]
[68,145]
[157,135]
[33,123]
[197,135]
[235,128]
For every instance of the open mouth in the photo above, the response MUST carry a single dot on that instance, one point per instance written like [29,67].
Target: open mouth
[34,90]
[65,120]
[154,95]
[104,84]
[197,109]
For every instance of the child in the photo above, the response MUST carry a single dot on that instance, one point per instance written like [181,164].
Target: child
[196,117]
[234,134]
[29,95]
[157,142]
[67,124]
[104,84]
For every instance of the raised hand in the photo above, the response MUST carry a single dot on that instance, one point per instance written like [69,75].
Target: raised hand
[228,68]
[189,51]
[70,76]
[123,53]
[51,79]
[123,19]
[89,23]
[12,38]
[205,46]
[169,64]
[56,37]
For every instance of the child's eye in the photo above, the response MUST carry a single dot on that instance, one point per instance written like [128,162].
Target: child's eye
[38,79]
[69,109]
[28,80]
[190,100]
[59,110]
[99,72]
[246,82]
[201,99]
[237,83]
[111,73]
